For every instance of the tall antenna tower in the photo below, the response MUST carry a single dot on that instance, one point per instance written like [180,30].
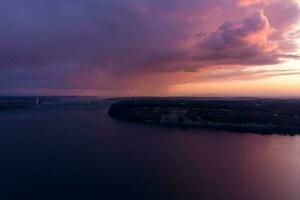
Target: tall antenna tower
[135,99]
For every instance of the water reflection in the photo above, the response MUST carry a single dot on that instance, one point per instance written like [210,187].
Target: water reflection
[76,154]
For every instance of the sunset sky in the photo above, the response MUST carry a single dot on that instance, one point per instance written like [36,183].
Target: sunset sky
[150,47]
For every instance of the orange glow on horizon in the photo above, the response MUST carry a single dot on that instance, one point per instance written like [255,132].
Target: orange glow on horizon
[277,86]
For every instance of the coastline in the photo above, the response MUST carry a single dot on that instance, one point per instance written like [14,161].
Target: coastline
[256,116]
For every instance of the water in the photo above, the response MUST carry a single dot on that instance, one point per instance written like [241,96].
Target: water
[84,154]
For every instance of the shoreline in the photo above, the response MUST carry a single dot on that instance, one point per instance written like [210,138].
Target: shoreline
[234,116]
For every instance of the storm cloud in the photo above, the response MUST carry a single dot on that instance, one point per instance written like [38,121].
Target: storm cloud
[109,45]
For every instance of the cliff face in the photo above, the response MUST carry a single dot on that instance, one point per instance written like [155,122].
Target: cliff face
[242,116]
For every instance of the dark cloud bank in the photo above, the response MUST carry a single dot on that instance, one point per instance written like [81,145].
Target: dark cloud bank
[105,44]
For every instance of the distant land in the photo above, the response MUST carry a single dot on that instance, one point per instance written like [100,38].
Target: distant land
[245,114]
[238,114]
[10,103]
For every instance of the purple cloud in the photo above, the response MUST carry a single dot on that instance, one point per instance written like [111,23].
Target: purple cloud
[109,44]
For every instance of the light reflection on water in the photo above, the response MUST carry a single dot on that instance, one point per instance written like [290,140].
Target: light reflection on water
[83,154]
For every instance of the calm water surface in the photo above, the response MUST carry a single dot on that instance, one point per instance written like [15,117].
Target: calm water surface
[83,154]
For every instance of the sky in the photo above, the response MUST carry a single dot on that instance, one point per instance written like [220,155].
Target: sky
[150,47]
